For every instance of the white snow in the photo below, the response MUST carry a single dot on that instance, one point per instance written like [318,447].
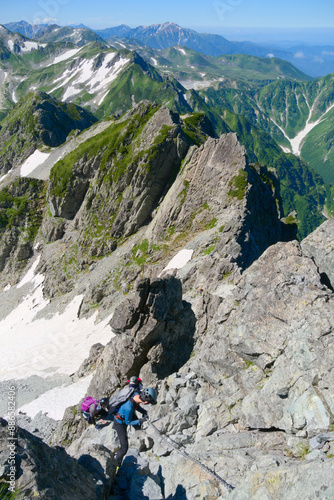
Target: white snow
[55,401]
[155,62]
[14,98]
[57,343]
[35,159]
[179,260]
[297,140]
[3,176]
[182,51]
[45,346]
[30,276]
[63,57]
[11,45]
[94,81]
[29,46]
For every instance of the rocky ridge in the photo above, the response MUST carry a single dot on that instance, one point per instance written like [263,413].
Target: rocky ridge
[238,341]
[253,401]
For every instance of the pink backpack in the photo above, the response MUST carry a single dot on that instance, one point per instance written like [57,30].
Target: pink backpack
[87,402]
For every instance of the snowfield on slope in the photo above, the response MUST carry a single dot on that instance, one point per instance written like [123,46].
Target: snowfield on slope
[66,55]
[53,344]
[85,77]
[35,159]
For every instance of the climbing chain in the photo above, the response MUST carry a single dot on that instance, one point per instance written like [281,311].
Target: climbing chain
[183,452]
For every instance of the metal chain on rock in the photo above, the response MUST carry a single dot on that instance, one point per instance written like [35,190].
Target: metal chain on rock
[182,451]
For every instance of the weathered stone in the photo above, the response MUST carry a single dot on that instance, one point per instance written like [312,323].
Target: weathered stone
[306,480]
[44,472]
[319,246]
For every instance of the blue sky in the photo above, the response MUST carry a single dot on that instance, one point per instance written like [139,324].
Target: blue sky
[209,15]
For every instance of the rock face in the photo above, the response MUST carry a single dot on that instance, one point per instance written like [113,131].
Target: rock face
[234,204]
[44,472]
[155,337]
[253,401]
[21,206]
[319,246]
[271,324]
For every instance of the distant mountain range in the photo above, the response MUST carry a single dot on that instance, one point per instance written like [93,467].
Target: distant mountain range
[313,60]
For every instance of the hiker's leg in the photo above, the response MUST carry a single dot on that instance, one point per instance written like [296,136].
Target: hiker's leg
[121,430]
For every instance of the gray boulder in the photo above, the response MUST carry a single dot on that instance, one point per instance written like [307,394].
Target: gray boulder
[44,472]
[319,246]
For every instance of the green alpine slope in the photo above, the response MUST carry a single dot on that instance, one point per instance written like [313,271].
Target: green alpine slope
[298,115]
[38,120]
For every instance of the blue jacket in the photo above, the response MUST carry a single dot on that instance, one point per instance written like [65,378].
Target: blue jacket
[127,413]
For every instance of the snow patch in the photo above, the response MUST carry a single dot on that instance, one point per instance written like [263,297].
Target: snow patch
[94,80]
[49,345]
[34,160]
[55,401]
[297,140]
[182,51]
[31,277]
[11,45]
[29,46]
[155,62]
[3,176]
[63,57]
[179,260]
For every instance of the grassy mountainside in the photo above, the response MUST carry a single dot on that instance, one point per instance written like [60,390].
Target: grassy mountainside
[197,70]
[285,109]
[79,36]
[38,120]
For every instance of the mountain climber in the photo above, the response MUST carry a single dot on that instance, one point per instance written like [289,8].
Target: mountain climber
[126,416]
[136,383]
[92,408]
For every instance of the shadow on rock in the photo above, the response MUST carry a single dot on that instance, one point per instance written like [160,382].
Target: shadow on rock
[155,335]
[135,481]
[180,494]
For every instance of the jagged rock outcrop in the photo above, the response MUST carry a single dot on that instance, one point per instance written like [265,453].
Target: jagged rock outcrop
[155,337]
[253,402]
[128,176]
[44,472]
[319,246]
[234,204]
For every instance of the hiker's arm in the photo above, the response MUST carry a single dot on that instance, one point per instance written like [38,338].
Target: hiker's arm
[141,410]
